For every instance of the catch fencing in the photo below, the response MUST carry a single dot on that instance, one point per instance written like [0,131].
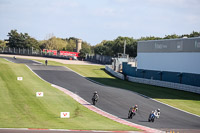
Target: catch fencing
[102,59]
[29,52]
[35,52]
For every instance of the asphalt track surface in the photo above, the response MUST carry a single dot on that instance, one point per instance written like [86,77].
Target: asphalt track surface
[115,100]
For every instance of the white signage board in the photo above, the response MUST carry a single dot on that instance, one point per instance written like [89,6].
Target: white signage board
[64,114]
[39,94]
[19,78]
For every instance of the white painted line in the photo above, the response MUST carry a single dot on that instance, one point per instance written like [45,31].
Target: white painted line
[9,60]
[66,130]
[37,61]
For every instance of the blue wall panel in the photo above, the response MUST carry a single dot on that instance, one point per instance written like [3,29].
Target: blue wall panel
[128,69]
[150,74]
[171,76]
[191,79]
[140,73]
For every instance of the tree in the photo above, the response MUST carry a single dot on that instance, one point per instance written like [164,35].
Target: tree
[118,46]
[86,46]
[71,44]
[131,49]
[149,38]
[112,48]
[99,49]
[20,40]
[194,34]
[83,52]
[42,44]
[53,44]
[3,43]
[30,42]
[15,39]
[173,36]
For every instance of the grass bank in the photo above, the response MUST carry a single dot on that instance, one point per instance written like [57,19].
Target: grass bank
[20,108]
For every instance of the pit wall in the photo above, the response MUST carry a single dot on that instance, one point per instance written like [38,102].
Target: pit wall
[176,80]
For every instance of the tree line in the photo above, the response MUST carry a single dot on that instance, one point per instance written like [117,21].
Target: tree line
[23,40]
[112,48]
[108,48]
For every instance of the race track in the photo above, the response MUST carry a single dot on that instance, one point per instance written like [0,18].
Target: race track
[114,100]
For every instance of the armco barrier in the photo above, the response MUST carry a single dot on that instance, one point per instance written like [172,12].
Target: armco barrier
[177,86]
[116,74]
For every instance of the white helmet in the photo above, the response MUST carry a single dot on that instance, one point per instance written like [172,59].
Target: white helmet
[95,92]
[158,110]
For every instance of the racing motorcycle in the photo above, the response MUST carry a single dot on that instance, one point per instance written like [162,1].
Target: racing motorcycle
[151,117]
[131,114]
[94,101]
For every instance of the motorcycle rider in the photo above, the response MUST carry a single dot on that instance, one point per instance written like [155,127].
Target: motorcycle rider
[151,116]
[46,62]
[152,113]
[95,97]
[133,108]
[136,108]
[157,113]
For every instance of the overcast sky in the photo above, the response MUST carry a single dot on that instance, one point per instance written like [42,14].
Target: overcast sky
[97,20]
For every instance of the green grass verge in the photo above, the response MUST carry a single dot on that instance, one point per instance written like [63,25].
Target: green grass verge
[20,108]
[187,101]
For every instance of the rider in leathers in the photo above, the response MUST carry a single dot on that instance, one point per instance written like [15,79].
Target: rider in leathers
[95,96]
[133,108]
[157,113]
